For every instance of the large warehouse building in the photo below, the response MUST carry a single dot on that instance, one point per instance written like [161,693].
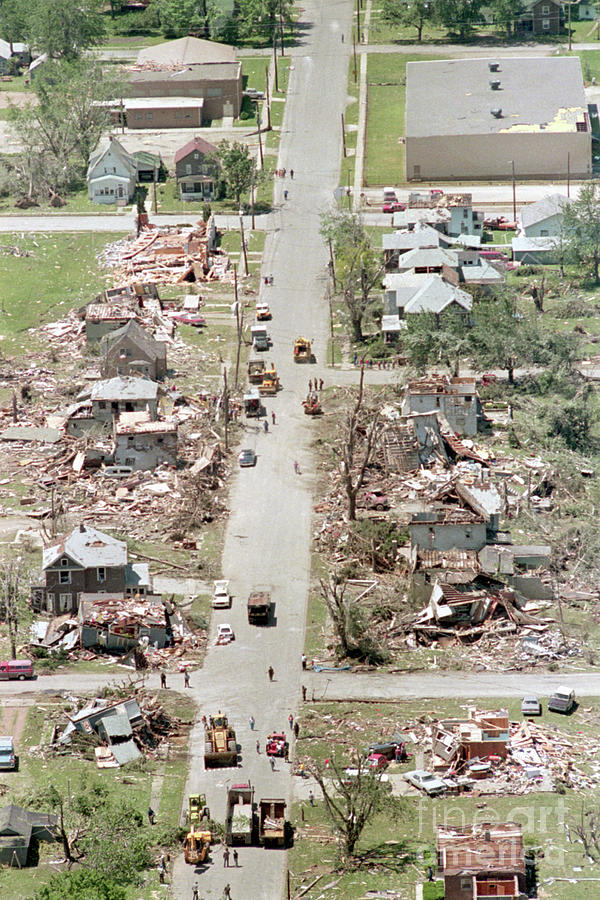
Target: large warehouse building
[476,118]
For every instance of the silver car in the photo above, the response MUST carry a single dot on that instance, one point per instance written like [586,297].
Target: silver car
[531,706]
[426,781]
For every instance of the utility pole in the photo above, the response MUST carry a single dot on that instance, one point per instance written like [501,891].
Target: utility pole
[281,26]
[226,407]
[244,251]
[358,20]
[260,146]
[569,28]
[331,327]
[568,174]
[344,136]
[514,190]
[252,203]
[354,53]
[239,321]
[275,60]
[268,100]
[332,265]
[348,192]
[155,200]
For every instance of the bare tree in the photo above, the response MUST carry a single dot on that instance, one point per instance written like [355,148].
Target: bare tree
[339,608]
[14,596]
[588,832]
[352,799]
[357,447]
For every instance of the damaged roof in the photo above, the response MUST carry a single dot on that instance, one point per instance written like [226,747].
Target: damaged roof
[89,548]
[125,387]
[481,848]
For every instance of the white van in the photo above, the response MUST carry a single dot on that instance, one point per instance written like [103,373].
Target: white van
[389,195]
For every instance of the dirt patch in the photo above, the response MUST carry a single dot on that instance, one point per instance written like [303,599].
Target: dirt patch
[17,98]
[12,721]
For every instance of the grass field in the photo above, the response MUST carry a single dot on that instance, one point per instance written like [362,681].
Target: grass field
[60,271]
[386,74]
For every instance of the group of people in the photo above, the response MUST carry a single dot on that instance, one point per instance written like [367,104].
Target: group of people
[375,363]
[318,385]
[281,173]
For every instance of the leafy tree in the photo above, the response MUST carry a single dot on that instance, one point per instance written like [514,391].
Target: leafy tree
[506,12]
[14,595]
[351,802]
[573,421]
[262,15]
[581,228]
[414,13]
[13,20]
[65,29]
[178,17]
[81,885]
[503,338]
[440,339]
[238,169]
[59,133]
[458,16]
[358,265]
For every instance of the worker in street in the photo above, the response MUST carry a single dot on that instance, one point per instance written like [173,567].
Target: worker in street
[235,858]
[265,426]
[291,720]
[258,747]
[296,729]
[304,661]
[304,692]
[186,678]
[292,174]
[271,673]
[320,384]
[273,417]
[297,467]
[251,720]
[226,857]
[272,761]
[311,798]
[310,385]
[163,680]
[195,891]
[285,195]
[227,892]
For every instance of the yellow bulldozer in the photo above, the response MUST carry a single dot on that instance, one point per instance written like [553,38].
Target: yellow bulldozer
[197,842]
[302,350]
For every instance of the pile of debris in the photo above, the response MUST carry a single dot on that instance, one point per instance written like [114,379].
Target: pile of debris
[169,255]
[120,732]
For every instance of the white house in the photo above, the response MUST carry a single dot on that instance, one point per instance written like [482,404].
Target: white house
[543,218]
[112,173]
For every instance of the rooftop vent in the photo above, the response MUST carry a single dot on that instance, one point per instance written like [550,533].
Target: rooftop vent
[495,85]
[497,113]
[494,66]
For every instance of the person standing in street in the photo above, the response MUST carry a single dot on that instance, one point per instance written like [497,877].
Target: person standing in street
[273,417]
[311,798]
[251,720]
[186,678]
[227,892]
[296,729]
[195,891]
[235,858]
[271,673]
[304,661]
[272,761]
[258,747]
[292,174]
[163,680]
[226,857]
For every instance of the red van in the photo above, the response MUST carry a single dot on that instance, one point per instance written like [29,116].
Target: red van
[16,669]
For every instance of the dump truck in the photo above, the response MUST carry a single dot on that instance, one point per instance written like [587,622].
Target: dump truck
[263,312]
[256,367]
[302,350]
[260,337]
[239,816]
[259,608]
[271,823]
[220,745]
[252,404]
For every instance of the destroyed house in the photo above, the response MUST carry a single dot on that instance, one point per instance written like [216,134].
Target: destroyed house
[19,828]
[462,741]
[471,602]
[119,624]
[102,318]
[123,394]
[447,528]
[456,398]
[87,560]
[485,860]
[131,350]
[145,445]
[115,725]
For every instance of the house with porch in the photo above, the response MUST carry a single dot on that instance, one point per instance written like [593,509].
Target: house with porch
[481,860]
[112,173]
[196,170]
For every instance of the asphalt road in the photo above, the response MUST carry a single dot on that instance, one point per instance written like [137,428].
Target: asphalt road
[267,541]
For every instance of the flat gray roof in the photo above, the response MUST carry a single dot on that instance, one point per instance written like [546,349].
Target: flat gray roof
[454,97]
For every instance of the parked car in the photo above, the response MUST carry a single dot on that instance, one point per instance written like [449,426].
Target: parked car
[254,94]
[394,206]
[225,633]
[426,781]
[562,700]
[221,598]
[531,706]
[373,500]
[377,761]
[494,256]
[8,760]
[247,458]
[387,748]
[190,319]
[16,669]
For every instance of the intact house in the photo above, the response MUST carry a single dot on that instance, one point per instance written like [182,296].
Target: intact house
[456,398]
[131,350]
[485,124]
[86,561]
[144,444]
[123,394]
[409,293]
[421,237]
[537,251]
[206,74]
[540,17]
[459,216]
[481,860]
[157,113]
[543,218]
[196,170]
[112,173]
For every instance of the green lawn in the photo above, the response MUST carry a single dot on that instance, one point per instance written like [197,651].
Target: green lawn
[590,64]
[351,123]
[60,272]
[386,74]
